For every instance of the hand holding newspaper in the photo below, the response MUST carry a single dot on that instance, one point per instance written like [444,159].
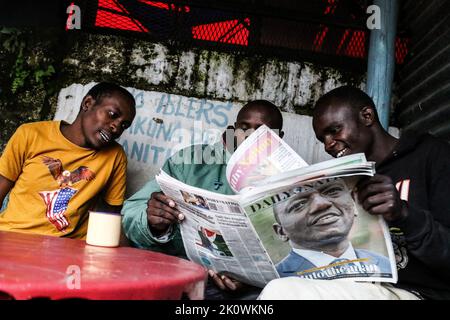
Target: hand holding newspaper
[287,218]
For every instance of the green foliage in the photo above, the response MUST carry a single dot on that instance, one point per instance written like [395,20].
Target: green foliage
[19,73]
[39,75]
[28,67]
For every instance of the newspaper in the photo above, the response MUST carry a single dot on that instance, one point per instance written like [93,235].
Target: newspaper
[262,155]
[218,234]
[287,218]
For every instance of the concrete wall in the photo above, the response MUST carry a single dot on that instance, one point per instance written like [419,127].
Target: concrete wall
[292,85]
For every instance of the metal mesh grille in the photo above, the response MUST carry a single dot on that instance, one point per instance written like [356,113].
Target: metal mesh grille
[115,19]
[231,31]
[327,30]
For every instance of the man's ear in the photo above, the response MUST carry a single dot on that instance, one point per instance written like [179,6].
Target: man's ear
[280,232]
[87,103]
[367,116]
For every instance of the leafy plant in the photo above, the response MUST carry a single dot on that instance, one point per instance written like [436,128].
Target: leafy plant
[39,75]
[15,41]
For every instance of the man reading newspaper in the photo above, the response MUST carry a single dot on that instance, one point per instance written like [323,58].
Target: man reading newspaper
[410,191]
[151,218]
[236,231]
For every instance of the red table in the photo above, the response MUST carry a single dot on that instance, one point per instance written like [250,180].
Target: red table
[34,266]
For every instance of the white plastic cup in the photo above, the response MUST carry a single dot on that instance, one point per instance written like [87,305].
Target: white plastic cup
[104,229]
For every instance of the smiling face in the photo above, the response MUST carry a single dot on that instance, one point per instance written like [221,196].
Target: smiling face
[339,128]
[104,122]
[318,216]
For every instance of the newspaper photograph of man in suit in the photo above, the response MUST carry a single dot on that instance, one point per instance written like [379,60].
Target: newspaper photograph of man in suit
[317,220]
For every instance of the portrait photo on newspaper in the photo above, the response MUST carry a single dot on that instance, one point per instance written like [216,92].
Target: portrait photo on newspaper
[316,230]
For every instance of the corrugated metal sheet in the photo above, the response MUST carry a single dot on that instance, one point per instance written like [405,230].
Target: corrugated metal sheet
[424,81]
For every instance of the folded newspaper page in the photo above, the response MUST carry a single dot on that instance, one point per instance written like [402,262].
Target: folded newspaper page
[289,220]
[263,154]
[218,234]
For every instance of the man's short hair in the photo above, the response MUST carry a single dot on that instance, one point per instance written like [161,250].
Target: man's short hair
[346,95]
[107,89]
[269,108]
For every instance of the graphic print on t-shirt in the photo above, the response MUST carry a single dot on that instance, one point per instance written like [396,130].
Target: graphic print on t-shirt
[403,189]
[57,200]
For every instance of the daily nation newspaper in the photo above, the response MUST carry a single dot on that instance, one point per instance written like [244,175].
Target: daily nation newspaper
[287,218]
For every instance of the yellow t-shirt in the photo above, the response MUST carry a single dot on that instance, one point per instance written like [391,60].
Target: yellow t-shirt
[56,181]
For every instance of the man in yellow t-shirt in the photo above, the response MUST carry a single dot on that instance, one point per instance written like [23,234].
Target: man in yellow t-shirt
[55,172]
